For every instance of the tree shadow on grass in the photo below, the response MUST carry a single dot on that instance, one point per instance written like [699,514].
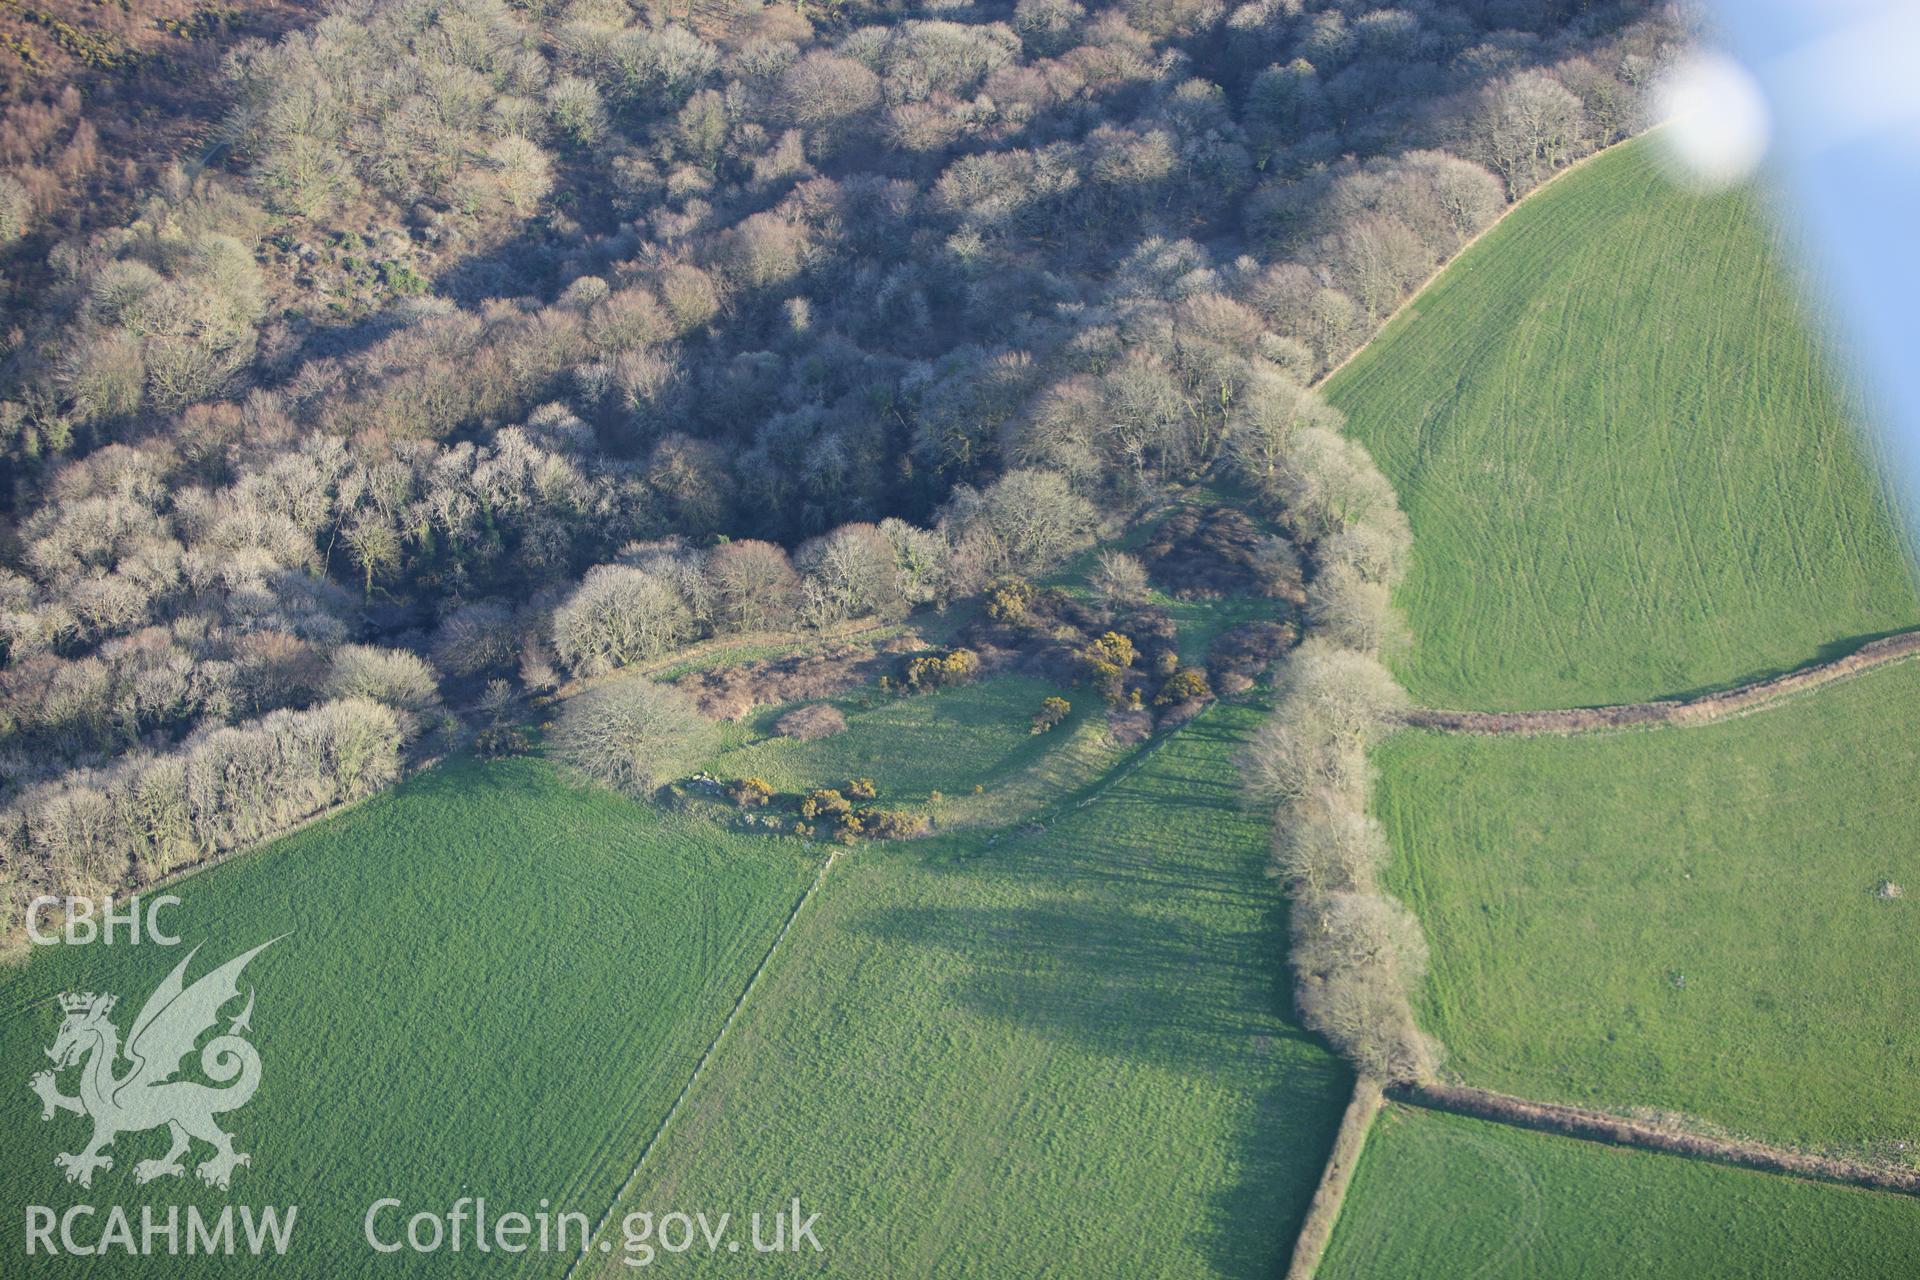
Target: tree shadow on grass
[1143,929]
[1124,982]
[1282,1151]
[1130,982]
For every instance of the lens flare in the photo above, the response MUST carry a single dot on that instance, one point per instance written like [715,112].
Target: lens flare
[1717,124]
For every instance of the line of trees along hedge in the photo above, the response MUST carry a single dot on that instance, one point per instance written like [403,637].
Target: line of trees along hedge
[731,319]
[1357,952]
[224,788]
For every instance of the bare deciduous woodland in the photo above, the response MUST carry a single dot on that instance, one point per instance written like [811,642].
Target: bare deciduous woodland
[485,346]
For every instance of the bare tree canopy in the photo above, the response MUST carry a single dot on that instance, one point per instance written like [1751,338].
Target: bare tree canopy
[633,735]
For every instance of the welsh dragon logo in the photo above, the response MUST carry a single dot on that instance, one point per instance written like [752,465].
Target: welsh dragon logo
[147,1095]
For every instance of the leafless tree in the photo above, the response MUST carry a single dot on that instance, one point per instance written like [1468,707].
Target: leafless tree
[756,585]
[1353,610]
[1119,578]
[1527,126]
[1022,523]
[633,734]
[392,677]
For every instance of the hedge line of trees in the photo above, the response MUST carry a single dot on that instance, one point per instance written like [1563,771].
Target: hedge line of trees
[1357,953]
[736,321]
[224,788]
[180,759]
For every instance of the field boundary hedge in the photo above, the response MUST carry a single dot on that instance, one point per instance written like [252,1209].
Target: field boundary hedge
[1310,1245]
[1407,303]
[1599,1126]
[1689,711]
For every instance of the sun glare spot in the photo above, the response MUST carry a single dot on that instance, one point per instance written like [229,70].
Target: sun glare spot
[1717,123]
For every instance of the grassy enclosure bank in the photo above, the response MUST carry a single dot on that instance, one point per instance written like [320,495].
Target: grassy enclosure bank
[946,741]
[1441,1197]
[1688,919]
[1621,446]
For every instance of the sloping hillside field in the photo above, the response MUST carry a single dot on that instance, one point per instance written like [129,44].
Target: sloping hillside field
[1628,469]
[491,982]
[1701,920]
[1445,1196]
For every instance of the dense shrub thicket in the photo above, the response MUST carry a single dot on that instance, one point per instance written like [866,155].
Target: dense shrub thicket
[537,340]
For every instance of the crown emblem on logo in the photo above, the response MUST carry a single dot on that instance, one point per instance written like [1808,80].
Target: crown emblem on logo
[164,1035]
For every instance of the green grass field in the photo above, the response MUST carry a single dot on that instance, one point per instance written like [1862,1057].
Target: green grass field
[495,984]
[1627,468]
[1683,919]
[1441,1197]
[914,745]
[1062,1051]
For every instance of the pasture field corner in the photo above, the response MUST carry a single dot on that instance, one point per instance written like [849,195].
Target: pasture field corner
[492,980]
[981,1055]
[1444,1197]
[1631,466]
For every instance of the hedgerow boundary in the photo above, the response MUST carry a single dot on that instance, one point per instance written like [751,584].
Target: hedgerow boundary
[1316,1231]
[1704,709]
[1323,1211]
[699,1068]
[1620,1131]
[1579,1122]
[1408,303]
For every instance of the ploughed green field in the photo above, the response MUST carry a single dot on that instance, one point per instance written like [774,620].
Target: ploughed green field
[1440,1197]
[495,984]
[1684,919]
[1627,467]
[1060,1051]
